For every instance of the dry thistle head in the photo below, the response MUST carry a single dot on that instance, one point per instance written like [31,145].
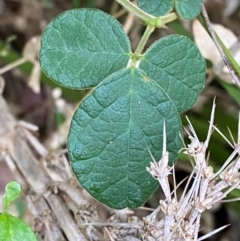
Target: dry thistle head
[182,215]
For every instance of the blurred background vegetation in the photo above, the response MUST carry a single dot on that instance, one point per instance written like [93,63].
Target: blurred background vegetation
[20,20]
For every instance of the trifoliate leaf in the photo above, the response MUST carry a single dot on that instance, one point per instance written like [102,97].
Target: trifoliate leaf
[14,229]
[175,63]
[110,135]
[122,118]
[81,47]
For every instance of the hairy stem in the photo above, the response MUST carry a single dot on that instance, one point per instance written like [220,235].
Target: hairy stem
[136,10]
[169,17]
[144,40]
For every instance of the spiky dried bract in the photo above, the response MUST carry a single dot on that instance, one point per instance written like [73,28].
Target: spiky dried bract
[160,171]
[182,215]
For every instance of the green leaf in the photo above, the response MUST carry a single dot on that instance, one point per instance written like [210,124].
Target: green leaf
[188,9]
[14,229]
[156,7]
[232,90]
[110,135]
[12,192]
[175,63]
[81,47]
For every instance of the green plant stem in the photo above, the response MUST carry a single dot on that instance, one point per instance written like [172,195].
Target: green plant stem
[230,57]
[169,18]
[144,40]
[136,10]
[145,17]
[227,57]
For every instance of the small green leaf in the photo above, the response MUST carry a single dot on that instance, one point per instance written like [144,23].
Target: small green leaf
[175,63]
[14,229]
[81,47]
[111,132]
[12,192]
[188,9]
[156,7]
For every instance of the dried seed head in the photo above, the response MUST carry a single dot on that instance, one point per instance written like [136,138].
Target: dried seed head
[231,179]
[195,147]
[208,172]
[160,169]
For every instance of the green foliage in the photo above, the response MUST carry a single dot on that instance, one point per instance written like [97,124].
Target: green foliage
[176,65]
[111,132]
[232,90]
[156,7]
[12,228]
[12,192]
[132,96]
[77,53]
[188,9]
